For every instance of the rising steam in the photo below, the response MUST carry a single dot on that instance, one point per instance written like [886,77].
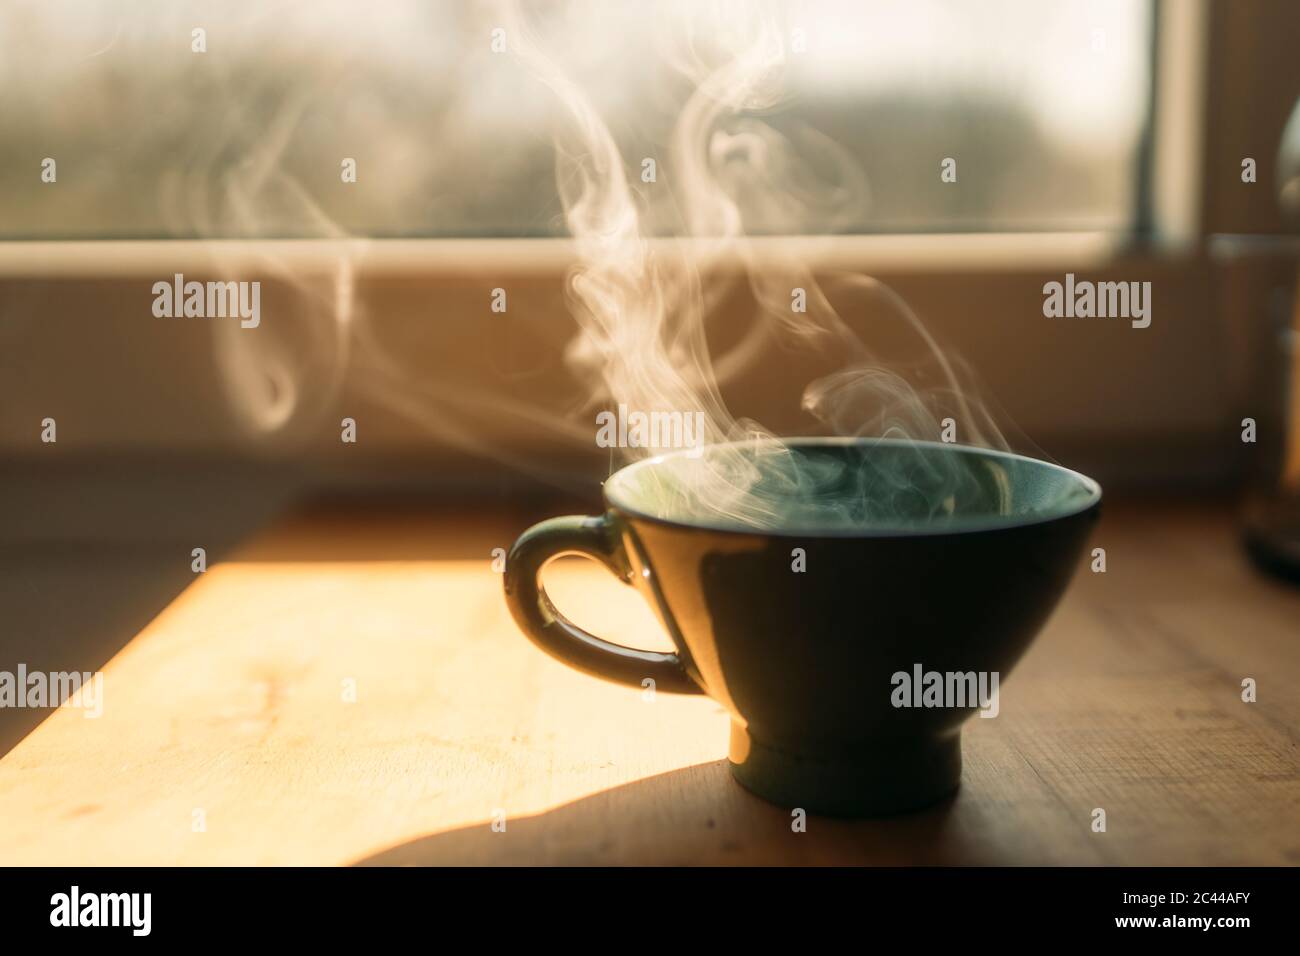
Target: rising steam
[642,301]
[642,308]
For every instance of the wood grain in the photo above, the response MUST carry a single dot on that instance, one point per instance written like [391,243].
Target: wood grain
[231,702]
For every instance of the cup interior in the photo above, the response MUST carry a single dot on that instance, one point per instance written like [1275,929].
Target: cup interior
[848,486]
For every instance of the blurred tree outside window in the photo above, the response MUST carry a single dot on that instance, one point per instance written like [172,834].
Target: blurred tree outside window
[1043,107]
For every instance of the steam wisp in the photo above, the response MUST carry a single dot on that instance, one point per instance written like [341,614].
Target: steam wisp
[641,306]
[642,300]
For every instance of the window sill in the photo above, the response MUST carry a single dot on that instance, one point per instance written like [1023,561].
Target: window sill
[888,253]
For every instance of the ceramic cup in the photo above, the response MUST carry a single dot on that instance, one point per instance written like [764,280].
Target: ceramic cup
[819,612]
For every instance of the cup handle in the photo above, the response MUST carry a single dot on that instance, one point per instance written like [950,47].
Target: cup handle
[550,630]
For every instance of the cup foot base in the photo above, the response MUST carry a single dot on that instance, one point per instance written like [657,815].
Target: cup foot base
[872,781]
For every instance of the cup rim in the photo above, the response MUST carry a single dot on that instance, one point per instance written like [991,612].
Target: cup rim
[994,523]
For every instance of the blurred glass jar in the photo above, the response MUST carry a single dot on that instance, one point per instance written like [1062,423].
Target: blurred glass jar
[1271,511]
[1259,288]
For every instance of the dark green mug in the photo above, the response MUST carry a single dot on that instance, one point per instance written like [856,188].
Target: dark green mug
[800,607]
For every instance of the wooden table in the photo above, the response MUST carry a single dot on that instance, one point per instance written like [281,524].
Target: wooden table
[229,736]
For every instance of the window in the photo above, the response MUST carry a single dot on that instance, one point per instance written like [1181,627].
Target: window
[1043,106]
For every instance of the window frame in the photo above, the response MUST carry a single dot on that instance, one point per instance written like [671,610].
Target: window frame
[1168,245]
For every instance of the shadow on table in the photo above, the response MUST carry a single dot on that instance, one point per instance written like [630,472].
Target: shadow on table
[72,608]
[401,527]
[91,552]
[694,816]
